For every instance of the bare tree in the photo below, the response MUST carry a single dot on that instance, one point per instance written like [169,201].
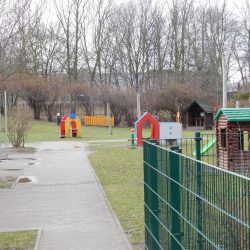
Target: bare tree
[71,16]
[136,25]
[33,92]
[11,12]
[95,32]
[242,45]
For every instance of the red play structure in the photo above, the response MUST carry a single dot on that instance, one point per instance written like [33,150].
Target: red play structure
[139,126]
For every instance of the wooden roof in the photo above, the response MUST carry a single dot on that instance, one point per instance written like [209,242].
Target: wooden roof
[203,105]
[234,114]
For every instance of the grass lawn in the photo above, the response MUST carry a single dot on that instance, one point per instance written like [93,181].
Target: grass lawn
[120,171]
[49,131]
[6,182]
[19,240]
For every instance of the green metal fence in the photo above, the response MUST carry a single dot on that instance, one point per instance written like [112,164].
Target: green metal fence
[193,205]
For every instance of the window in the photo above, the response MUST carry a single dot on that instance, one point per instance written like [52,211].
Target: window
[223,138]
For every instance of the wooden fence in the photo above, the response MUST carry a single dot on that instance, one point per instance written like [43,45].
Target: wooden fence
[98,121]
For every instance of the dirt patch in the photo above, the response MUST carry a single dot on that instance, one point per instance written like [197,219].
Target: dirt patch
[24,180]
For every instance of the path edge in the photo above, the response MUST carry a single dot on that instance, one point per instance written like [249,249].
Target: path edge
[117,221]
[38,239]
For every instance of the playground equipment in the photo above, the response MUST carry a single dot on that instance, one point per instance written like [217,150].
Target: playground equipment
[155,127]
[70,126]
[98,121]
[206,148]
[132,138]
[170,133]
[232,127]
[162,132]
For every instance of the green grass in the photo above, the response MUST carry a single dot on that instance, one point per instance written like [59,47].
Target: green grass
[49,131]
[19,240]
[6,182]
[120,171]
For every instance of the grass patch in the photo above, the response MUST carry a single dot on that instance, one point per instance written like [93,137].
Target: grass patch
[6,182]
[49,131]
[120,171]
[19,240]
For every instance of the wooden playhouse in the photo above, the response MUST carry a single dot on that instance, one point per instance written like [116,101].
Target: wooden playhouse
[198,114]
[232,136]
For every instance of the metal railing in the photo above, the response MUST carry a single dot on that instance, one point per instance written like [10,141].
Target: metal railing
[234,155]
[190,204]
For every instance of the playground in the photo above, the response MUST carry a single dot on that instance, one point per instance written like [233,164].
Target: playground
[110,157]
[118,167]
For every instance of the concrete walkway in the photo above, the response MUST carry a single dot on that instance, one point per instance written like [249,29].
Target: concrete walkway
[65,200]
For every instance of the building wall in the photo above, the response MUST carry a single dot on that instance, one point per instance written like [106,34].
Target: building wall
[221,152]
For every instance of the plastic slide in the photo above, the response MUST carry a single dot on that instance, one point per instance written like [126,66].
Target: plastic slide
[207,147]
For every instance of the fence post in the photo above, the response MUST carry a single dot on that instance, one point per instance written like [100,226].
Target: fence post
[150,198]
[154,204]
[198,139]
[145,170]
[175,198]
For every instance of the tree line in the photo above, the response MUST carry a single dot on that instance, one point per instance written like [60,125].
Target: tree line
[157,50]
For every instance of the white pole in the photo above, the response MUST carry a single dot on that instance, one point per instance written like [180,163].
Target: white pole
[237,105]
[109,119]
[224,82]
[0,122]
[5,118]
[138,102]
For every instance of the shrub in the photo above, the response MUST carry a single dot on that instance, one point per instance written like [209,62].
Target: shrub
[18,125]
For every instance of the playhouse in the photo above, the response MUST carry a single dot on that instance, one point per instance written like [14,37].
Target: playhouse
[70,126]
[155,127]
[232,137]
[198,115]
[160,131]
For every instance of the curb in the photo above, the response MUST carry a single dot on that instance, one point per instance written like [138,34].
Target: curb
[111,209]
[38,238]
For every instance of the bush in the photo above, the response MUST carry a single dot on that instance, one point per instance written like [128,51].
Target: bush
[170,100]
[122,103]
[18,125]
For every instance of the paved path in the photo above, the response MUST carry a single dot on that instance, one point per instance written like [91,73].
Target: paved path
[65,200]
